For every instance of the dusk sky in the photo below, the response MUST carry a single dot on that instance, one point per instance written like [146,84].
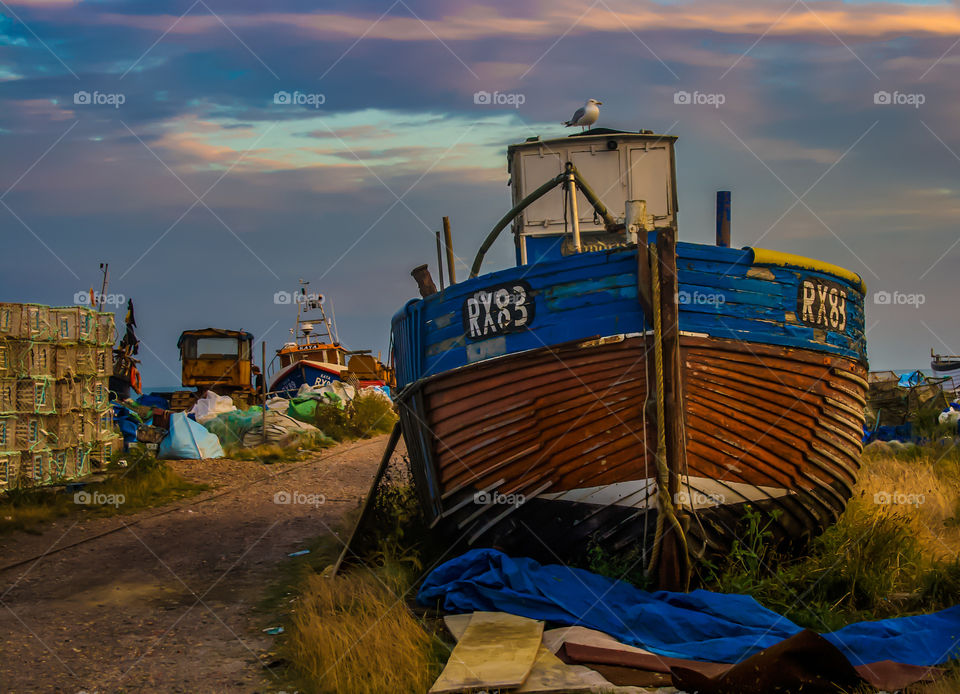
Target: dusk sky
[146,135]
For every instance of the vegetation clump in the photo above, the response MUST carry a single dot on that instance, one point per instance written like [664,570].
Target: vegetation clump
[894,551]
[144,482]
[368,414]
[342,629]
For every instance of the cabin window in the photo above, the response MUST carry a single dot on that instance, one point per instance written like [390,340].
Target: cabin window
[216,348]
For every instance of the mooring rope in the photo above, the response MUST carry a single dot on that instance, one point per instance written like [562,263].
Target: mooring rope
[665,508]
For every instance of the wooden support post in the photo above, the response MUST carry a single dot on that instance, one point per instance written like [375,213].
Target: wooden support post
[371,495]
[440,260]
[723,218]
[448,240]
[672,566]
[263,365]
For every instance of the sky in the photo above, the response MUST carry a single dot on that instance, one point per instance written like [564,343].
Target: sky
[213,153]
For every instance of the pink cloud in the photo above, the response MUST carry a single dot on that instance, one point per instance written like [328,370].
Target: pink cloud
[878,20]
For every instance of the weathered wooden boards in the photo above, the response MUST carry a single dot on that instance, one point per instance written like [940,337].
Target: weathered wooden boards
[722,294]
[759,416]
[496,650]
[547,672]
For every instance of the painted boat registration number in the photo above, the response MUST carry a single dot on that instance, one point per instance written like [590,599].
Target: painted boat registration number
[502,308]
[822,304]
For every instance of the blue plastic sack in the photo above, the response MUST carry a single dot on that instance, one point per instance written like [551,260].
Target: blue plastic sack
[188,440]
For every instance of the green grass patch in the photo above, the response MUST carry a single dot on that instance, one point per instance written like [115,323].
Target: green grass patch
[367,415]
[879,560]
[303,448]
[144,483]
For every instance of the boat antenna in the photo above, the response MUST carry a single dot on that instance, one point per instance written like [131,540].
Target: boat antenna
[105,269]
[333,323]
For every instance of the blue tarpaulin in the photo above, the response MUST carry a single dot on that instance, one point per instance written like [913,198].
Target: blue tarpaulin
[699,625]
[149,400]
[127,421]
[890,432]
[911,379]
[188,440]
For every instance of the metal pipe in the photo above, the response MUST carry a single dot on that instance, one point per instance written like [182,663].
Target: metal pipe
[587,191]
[448,240]
[608,221]
[572,185]
[723,218]
[509,216]
[440,261]
[634,221]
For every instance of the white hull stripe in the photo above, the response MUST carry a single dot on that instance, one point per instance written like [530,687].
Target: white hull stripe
[694,493]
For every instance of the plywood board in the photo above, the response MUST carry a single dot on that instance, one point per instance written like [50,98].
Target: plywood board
[495,651]
[548,674]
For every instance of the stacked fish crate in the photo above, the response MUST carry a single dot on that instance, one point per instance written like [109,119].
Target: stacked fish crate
[55,417]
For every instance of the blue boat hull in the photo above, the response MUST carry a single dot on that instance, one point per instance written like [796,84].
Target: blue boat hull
[531,386]
[723,294]
[289,380]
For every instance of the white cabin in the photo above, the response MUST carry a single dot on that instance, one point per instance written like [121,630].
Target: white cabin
[618,166]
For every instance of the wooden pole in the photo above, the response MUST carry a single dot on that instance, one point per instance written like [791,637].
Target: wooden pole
[440,260]
[263,389]
[371,496]
[103,285]
[672,565]
[634,213]
[723,218]
[448,240]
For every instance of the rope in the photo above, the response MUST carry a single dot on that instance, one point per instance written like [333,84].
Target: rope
[665,508]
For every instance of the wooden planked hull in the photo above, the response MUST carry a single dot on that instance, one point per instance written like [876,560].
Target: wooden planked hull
[530,387]
[556,445]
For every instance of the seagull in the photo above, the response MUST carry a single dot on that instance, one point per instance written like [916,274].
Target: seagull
[586,115]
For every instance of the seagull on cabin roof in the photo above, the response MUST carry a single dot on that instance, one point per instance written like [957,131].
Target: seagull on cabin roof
[586,115]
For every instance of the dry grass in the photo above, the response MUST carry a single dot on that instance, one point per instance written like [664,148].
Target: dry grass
[302,448]
[929,476]
[354,634]
[894,551]
[147,482]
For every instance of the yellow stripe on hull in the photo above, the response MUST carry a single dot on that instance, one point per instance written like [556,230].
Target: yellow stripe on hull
[762,256]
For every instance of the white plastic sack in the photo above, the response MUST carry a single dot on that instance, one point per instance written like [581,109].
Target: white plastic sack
[210,405]
[950,416]
[277,404]
[343,391]
[379,391]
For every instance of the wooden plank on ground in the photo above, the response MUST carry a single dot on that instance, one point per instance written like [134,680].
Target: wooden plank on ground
[495,651]
[548,674]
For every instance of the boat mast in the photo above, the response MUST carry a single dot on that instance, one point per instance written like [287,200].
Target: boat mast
[304,304]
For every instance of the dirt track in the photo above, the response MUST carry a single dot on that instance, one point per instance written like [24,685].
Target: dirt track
[167,605]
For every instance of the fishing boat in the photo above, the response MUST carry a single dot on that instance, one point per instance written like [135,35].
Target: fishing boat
[621,388]
[943,363]
[316,357]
